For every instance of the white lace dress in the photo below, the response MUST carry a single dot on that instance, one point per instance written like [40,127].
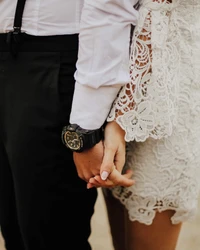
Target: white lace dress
[160,112]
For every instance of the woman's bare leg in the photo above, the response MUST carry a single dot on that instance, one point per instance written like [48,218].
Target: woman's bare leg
[116,217]
[160,235]
[128,235]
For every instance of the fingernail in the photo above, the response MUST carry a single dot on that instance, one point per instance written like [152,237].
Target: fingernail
[104,175]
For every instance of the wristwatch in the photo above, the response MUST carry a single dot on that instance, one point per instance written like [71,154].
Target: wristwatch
[78,139]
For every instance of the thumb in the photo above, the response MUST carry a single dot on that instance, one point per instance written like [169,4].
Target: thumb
[107,165]
[120,159]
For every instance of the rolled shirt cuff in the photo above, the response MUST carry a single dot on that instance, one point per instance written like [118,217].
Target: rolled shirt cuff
[90,106]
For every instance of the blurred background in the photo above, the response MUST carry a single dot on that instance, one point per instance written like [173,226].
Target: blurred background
[100,238]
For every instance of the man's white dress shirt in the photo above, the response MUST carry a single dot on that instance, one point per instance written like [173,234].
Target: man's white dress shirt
[102,67]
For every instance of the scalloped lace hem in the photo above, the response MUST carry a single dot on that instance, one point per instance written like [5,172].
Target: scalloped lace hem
[144,210]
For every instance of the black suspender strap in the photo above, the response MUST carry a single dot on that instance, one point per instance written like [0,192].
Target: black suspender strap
[13,37]
[19,14]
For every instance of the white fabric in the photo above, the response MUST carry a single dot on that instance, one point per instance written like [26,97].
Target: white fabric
[43,17]
[102,67]
[164,120]
[154,67]
[104,46]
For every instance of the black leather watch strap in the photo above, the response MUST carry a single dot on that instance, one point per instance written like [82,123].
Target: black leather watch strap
[95,137]
[91,137]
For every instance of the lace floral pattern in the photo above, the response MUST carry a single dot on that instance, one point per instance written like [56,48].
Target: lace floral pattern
[166,168]
[147,106]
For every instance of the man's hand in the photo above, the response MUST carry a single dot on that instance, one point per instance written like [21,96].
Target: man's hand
[113,160]
[88,163]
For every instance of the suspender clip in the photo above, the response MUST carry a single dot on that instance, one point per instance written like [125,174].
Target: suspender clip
[14,37]
[16,34]
[14,40]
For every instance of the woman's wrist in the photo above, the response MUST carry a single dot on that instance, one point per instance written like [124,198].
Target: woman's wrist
[117,127]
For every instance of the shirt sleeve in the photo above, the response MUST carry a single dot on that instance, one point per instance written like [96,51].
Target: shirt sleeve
[147,105]
[103,59]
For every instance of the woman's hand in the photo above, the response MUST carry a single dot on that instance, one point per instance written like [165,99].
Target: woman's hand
[113,160]
[114,179]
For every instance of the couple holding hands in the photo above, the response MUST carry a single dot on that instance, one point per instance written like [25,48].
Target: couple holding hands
[128,113]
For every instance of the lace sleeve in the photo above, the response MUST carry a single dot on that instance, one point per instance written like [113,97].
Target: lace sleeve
[146,106]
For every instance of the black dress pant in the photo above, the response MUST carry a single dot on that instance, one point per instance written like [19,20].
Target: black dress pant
[44,205]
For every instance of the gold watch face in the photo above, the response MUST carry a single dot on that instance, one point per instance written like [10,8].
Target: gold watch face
[72,140]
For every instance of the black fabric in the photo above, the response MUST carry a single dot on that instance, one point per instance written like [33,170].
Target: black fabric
[19,13]
[44,205]
[14,37]
[32,43]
